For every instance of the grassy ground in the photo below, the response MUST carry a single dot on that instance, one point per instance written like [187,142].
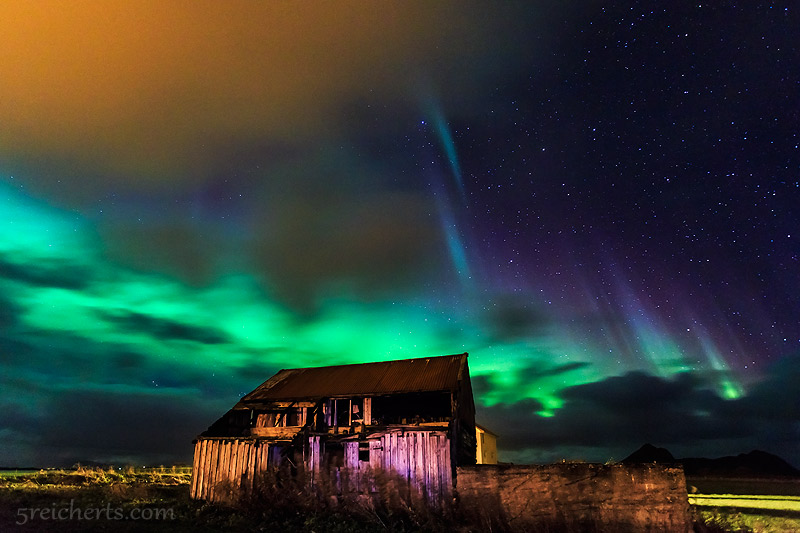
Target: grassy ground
[120,501]
[757,506]
[90,499]
[128,500]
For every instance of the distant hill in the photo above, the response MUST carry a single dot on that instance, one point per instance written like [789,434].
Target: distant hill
[755,464]
[650,454]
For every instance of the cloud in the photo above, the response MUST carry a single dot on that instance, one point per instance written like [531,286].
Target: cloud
[776,398]
[204,138]
[371,244]
[107,424]
[614,416]
[46,274]
[155,94]
[511,318]
[541,370]
[165,328]
[9,313]
[515,423]
[175,249]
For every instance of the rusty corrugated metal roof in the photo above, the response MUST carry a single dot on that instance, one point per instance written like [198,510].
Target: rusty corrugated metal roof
[388,377]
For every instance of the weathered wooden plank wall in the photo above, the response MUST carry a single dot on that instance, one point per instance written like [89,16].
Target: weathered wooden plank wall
[223,465]
[421,458]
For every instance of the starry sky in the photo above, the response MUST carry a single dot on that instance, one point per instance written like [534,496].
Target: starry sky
[596,200]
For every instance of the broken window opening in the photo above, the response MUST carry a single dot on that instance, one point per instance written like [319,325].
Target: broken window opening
[363,452]
[416,408]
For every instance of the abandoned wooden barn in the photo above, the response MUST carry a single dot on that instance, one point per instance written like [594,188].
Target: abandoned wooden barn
[412,417]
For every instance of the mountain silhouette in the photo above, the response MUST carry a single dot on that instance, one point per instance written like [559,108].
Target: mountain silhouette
[755,464]
[650,454]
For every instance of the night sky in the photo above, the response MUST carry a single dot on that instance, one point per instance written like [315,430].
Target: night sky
[598,201]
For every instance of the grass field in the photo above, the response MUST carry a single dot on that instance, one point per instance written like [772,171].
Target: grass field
[157,499]
[758,506]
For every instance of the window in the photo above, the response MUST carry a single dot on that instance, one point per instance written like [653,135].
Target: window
[342,413]
[292,417]
[363,452]
[265,420]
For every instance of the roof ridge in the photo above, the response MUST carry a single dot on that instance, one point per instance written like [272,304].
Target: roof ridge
[378,362]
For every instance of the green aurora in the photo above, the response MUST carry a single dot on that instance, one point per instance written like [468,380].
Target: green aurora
[599,205]
[76,320]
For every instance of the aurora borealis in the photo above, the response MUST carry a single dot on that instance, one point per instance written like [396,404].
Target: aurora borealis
[597,201]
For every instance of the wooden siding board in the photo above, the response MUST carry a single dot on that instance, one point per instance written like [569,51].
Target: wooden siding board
[200,469]
[195,460]
[212,468]
[367,411]
[402,457]
[218,473]
[203,491]
[224,467]
[234,461]
[241,448]
[434,481]
[351,465]
[376,454]
[247,475]
[209,471]
[419,462]
[195,468]
[254,463]
[263,457]
[245,466]
[235,470]
[390,444]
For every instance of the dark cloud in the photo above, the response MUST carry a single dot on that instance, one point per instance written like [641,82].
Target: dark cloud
[167,112]
[36,357]
[542,370]
[173,249]
[9,313]
[47,273]
[303,226]
[637,406]
[512,318]
[115,94]
[608,417]
[776,398]
[371,245]
[256,372]
[164,328]
[514,423]
[60,419]
[127,361]
[262,121]
[101,425]
[481,385]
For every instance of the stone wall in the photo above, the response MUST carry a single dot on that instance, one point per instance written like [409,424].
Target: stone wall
[575,497]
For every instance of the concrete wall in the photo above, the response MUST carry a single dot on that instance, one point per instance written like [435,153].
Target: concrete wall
[576,497]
